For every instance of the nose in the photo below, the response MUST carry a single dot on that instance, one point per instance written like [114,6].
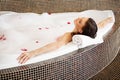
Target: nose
[78,18]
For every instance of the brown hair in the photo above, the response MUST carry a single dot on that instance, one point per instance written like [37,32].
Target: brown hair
[89,29]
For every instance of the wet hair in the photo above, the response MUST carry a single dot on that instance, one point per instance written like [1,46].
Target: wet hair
[90,28]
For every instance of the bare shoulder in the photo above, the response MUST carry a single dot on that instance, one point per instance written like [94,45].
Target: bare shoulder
[68,34]
[67,37]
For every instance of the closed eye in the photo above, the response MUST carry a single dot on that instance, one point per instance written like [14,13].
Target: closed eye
[79,21]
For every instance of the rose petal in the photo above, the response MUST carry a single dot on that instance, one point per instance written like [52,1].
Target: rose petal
[46,28]
[24,49]
[4,38]
[68,22]
[1,38]
[37,41]
[40,28]
[49,13]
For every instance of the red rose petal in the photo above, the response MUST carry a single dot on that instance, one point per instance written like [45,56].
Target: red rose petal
[0,38]
[24,49]
[46,28]
[68,22]
[40,28]
[4,38]
[37,41]
[49,13]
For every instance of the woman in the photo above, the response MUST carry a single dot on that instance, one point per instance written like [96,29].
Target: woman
[85,26]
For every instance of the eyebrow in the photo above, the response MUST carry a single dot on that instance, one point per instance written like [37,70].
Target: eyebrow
[81,20]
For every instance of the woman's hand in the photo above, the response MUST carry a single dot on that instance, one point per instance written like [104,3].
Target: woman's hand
[105,22]
[24,57]
[109,19]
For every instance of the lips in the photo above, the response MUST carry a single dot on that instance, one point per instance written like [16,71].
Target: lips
[23,49]
[2,37]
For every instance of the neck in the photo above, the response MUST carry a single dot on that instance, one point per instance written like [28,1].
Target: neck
[75,30]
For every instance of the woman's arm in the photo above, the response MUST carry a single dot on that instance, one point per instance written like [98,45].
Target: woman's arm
[66,38]
[104,22]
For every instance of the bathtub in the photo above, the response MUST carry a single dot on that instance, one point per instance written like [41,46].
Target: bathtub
[81,63]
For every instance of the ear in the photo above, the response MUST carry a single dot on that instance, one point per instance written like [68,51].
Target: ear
[80,31]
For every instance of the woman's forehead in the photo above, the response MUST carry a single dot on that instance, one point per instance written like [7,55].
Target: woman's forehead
[84,18]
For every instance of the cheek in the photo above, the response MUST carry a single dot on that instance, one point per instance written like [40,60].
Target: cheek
[75,22]
[79,26]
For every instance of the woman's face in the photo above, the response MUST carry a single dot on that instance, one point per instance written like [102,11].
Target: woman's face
[80,23]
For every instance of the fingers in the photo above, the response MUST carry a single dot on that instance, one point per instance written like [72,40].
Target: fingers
[20,56]
[109,19]
[23,58]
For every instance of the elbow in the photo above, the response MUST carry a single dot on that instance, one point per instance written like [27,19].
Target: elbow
[59,45]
